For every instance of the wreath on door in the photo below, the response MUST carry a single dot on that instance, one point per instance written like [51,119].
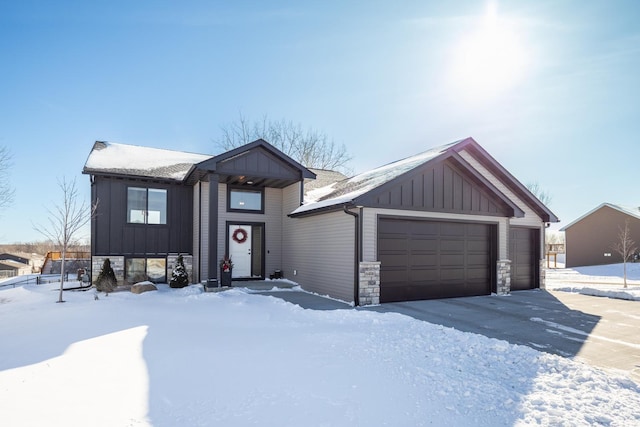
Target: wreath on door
[240,235]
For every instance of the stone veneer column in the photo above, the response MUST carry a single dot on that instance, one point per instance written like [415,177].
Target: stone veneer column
[504,277]
[543,274]
[188,265]
[117,263]
[369,278]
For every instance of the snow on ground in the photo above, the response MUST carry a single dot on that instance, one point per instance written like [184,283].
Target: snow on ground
[597,280]
[181,357]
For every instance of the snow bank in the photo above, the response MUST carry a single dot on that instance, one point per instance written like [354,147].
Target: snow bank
[178,357]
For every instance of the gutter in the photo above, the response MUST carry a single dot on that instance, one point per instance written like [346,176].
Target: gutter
[356,256]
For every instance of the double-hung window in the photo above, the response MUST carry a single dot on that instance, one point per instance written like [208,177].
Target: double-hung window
[146,205]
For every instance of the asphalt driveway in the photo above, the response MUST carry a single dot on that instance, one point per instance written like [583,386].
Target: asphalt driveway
[600,331]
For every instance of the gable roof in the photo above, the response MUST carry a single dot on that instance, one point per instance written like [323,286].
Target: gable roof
[353,190]
[109,158]
[258,162]
[627,210]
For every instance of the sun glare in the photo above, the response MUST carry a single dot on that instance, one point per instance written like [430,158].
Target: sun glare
[489,59]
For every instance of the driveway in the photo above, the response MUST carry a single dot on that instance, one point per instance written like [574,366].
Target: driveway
[600,331]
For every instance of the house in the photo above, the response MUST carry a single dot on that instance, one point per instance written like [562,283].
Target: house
[11,268]
[589,240]
[447,222]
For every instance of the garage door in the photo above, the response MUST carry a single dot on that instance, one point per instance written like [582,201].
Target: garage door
[523,250]
[434,259]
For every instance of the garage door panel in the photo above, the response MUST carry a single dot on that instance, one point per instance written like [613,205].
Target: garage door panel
[451,229]
[451,260]
[420,260]
[422,244]
[441,259]
[452,245]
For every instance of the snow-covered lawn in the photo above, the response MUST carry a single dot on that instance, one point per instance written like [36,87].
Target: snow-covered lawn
[597,280]
[181,357]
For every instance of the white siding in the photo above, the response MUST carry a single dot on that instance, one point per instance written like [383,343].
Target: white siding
[370,227]
[272,219]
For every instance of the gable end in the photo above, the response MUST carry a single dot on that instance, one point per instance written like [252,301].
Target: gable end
[442,186]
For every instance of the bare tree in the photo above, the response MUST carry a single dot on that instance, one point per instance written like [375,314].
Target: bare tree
[309,147]
[541,194]
[625,246]
[65,220]
[6,191]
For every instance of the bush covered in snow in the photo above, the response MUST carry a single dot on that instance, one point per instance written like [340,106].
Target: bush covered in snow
[106,281]
[179,276]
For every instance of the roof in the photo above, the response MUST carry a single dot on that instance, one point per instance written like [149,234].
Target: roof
[352,190]
[9,264]
[628,210]
[324,177]
[110,158]
[347,190]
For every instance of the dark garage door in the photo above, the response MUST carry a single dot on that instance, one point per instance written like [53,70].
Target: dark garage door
[523,250]
[434,259]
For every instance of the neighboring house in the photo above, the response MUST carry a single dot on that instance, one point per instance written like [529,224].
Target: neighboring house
[589,240]
[11,268]
[26,263]
[448,222]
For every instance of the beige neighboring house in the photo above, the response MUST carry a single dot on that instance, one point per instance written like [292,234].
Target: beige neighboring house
[11,268]
[589,240]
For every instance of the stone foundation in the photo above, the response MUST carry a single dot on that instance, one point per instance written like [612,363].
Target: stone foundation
[117,263]
[369,279]
[504,277]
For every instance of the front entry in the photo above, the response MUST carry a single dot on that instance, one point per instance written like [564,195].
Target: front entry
[245,243]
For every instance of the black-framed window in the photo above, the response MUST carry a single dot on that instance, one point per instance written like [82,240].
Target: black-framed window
[140,269]
[146,205]
[245,200]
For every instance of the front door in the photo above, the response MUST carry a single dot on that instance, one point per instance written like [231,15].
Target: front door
[245,250]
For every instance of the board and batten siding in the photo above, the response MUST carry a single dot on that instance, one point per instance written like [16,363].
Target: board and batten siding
[370,227]
[272,219]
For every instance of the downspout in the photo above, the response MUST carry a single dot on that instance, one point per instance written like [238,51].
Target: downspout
[356,256]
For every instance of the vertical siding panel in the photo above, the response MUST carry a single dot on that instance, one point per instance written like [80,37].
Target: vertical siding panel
[205,232]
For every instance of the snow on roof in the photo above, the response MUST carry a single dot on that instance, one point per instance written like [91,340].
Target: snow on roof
[629,210]
[348,189]
[110,157]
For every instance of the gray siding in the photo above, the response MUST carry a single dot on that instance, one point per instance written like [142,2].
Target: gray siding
[272,218]
[320,249]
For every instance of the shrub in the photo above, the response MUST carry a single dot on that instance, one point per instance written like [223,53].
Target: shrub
[106,281]
[179,276]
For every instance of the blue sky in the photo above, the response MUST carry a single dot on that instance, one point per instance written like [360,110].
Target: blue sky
[549,88]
